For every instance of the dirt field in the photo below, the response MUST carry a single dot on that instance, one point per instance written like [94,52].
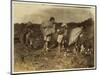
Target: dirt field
[27,59]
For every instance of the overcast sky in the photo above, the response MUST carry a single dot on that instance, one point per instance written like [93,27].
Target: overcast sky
[38,12]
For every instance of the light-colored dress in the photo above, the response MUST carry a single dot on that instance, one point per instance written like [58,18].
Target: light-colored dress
[74,35]
[47,29]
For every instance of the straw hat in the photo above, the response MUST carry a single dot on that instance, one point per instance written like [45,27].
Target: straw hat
[64,25]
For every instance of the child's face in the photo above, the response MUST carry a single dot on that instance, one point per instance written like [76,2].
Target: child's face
[52,21]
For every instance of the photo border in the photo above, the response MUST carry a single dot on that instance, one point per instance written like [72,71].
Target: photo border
[62,70]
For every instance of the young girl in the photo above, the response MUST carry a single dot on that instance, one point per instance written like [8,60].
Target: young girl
[62,32]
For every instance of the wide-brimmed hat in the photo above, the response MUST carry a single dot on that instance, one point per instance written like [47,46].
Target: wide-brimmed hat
[64,25]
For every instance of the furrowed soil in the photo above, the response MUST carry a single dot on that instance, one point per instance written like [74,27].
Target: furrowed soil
[28,59]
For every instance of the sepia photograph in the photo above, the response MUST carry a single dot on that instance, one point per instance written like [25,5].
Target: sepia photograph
[50,37]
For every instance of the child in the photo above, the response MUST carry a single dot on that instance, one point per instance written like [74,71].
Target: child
[62,32]
[48,28]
